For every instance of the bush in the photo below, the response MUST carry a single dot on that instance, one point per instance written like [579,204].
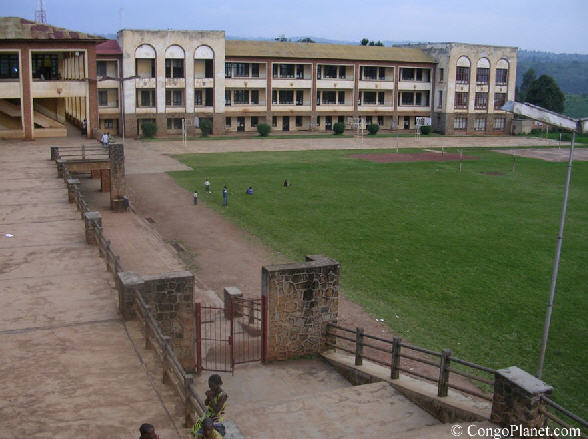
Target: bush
[426,130]
[536,131]
[339,128]
[149,129]
[566,137]
[373,128]
[263,129]
[205,127]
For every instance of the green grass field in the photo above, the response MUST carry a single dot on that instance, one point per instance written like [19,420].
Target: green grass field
[463,259]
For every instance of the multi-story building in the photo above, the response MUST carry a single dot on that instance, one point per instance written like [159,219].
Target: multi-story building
[472,83]
[178,78]
[46,81]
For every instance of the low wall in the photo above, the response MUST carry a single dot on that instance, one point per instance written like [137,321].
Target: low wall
[302,298]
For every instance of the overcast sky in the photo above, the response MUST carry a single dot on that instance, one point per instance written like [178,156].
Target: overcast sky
[547,25]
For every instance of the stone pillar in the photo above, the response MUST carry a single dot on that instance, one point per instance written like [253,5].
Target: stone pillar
[231,293]
[117,177]
[105,180]
[60,165]
[218,124]
[91,220]
[301,299]
[517,399]
[171,297]
[73,185]
[125,283]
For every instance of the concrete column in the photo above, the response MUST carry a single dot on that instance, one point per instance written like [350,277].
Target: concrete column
[231,293]
[60,166]
[73,185]
[105,180]
[517,399]
[91,220]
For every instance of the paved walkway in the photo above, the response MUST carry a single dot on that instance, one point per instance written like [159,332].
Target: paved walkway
[68,367]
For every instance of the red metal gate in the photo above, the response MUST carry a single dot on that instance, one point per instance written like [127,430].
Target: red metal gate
[231,335]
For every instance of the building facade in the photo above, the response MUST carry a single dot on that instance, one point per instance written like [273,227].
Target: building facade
[176,79]
[47,79]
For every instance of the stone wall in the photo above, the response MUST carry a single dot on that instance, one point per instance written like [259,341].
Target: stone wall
[171,297]
[302,298]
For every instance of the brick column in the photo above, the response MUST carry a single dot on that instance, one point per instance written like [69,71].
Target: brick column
[301,299]
[73,185]
[517,399]
[125,283]
[91,220]
[117,177]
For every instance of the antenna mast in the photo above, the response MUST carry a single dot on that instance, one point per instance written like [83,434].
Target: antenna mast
[40,14]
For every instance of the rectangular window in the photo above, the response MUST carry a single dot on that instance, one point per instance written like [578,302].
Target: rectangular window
[228,98]
[481,101]
[101,68]
[274,121]
[499,100]
[417,98]
[174,97]
[499,123]
[381,73]
[299,97]
[241,70]
[369,97]
[341,97]
[274,96]
[440,100]
[482,75]
[102,98]
[208,93]
[462,75]
[255,70]
[460,123]
[286,97]
[298,121]
[45,66]
[330,72]
[407,98]
[174,68]
[227,121]
[228,70]
[241,97]
[441,74]
[419,74]
[146,97]
[318,97]
[8,66]
[286,70]
[255,97]
[254,121]
[368,120]
[208,68]
[300,71]
[380,120]
[318,121]
[501,76]
[370,73]
[461,100]
[198,97]
[480,124]
[319,70]
[174,123]
[380,98]
[108,123]
[407,74]
[329,97]
[341,119]
[342,72]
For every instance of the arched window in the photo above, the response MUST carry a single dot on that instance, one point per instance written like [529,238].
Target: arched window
[145,61]
[462,74]
[483,71]
[174,62]
[502,72]
[203,62]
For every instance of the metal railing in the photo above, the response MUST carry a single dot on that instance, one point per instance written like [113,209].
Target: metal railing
[562,411]
[391,352]
[83,152]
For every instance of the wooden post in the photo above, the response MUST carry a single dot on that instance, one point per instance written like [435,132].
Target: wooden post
[394,371]
[188,381]
[358,346]
[264,329]
[165,361]
[198,338]
[443,385]
[147,330]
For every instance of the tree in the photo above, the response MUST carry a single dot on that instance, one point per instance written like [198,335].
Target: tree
[545,92]
[306,40]
[364,41]
[282,38]
[528,78]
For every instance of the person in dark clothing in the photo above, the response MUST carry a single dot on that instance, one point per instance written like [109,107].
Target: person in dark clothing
[148,432]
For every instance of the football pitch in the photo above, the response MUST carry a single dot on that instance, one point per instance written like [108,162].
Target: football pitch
[448,258]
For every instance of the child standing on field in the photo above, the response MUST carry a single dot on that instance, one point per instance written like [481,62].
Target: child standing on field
[207,185]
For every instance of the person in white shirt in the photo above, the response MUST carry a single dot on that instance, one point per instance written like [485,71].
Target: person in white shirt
[105,140]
